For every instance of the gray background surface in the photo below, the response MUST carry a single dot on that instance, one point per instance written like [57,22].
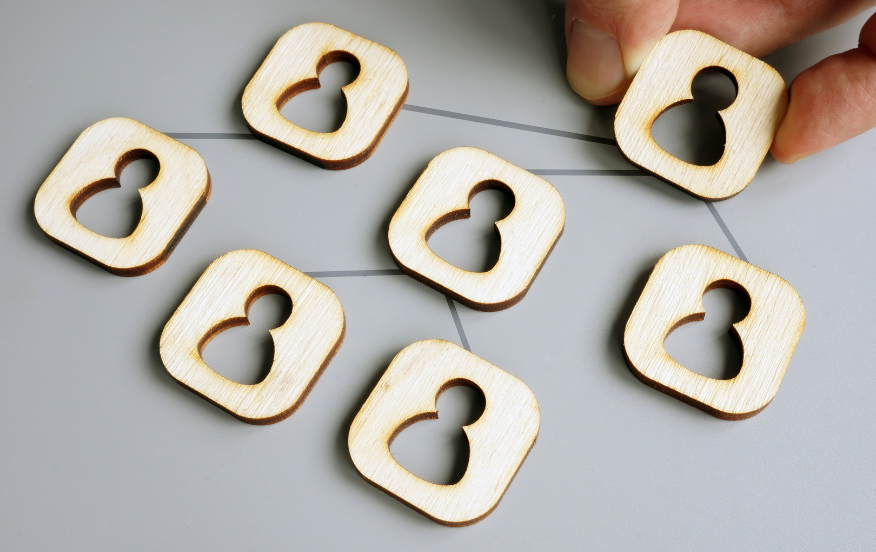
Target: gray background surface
[102,450]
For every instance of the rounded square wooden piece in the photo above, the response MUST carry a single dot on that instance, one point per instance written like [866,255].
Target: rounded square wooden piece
[303,346]
[750,123]
[293,66]
[93,163]
[499,440]
[673,296]
[442,194]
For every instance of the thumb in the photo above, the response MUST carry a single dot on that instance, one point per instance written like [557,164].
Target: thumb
[832,101]
[608,40]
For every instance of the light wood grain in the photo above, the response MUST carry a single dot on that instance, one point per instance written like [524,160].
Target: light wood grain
[442,194]
[408,392]
[673,297]
[293,66]
[750,122]
[303,346]
[93,163]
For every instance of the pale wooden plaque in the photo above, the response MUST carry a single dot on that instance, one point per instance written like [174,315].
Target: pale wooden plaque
[499,440]
[93,164]
[303,346]
[673,297]
[750,122]
[442,194]
[293,66]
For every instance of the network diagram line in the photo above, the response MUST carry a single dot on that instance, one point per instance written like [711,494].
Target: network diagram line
[727,234]
[452,304]
[589,172]
[392,272]
[210,136]
[355,273]
[540,172]
[509,124]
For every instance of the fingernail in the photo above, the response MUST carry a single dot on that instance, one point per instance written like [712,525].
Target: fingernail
[791,159]
[595,66]
[635,57]
[785,147]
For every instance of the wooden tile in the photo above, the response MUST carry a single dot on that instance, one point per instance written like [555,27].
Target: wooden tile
[303,346]
[499,440]
[442,194]
[673,297]
[293,66]
[93,164]
[750,122]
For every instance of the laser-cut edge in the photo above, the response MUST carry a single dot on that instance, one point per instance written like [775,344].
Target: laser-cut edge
[461,214]
[433,415]
[445,523]
[295,406]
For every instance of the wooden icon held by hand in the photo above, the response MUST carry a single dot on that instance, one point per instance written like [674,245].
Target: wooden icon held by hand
[664,81]
[293,66]
[499,440]
[442,194]
[93,164]
[303,346]
[673,297]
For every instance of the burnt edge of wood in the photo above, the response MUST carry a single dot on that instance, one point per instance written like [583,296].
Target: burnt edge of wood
[342,164]
[155,262]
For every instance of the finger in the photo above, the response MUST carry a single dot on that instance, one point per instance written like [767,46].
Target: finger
[830,102]
[608,41]
[760,27]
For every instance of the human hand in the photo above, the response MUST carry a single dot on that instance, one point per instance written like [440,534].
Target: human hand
[830,102]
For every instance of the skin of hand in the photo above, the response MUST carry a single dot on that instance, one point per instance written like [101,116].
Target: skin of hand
[832,101]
